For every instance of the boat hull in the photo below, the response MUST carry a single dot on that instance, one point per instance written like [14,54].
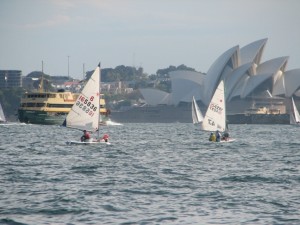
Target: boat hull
[46,118]
[41,117]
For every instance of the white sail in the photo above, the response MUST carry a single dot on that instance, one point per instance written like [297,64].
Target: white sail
[84,114]
[294,114]
[196,113]
[2,116]
[215,117]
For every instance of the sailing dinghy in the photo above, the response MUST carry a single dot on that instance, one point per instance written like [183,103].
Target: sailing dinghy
[85,113]
[215,117]
[294,114]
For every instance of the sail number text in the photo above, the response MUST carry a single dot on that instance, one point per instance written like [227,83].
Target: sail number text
[86,105]
[216,108]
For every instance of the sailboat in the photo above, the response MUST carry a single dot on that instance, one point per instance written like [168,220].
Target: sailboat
[196,113]
[85,113]
[294,114]
[2,116]
[215,117]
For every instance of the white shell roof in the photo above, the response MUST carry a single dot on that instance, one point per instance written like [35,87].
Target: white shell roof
[242,71]
[223,66]
[253,52]
[235,77]
[253,82]
[279,86]
[292,81]
[184,90]
[155,97]
[273,65]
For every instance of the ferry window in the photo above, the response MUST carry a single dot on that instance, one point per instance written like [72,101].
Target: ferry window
[40,104]
[23,105]
[60,105]
[30,104]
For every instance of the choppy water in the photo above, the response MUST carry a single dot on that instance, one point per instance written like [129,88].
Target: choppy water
[152,174]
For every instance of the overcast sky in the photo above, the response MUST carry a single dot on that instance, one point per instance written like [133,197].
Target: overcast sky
[153,34]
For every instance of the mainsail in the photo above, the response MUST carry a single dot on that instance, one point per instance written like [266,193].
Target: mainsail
[294,114]
[196,113]
[2,116]
[84,114]
[215,117]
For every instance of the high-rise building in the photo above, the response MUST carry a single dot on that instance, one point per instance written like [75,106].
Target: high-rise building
[10,78]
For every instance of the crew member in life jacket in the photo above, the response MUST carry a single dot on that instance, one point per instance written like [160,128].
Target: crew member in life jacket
[218,136]
[86,136]
[105,137]
[212,137]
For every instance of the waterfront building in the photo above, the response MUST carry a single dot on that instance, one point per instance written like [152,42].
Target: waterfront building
[10,78]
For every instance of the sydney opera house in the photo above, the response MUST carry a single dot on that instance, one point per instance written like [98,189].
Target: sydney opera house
[249,83]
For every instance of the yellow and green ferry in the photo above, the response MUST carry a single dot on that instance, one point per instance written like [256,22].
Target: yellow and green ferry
[50,108]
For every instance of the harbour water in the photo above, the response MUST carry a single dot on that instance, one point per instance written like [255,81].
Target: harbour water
[151,174]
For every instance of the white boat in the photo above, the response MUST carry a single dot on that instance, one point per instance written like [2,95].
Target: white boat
[2,116]
[294,114]
[215,117]
[85,113]
[196,113]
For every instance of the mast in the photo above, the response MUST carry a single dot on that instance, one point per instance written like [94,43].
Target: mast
[99,90]
[41,86]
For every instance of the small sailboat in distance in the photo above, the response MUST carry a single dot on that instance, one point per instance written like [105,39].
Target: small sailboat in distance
[215,116]
[2,116]
[196,113]
[85,113]
[294,114]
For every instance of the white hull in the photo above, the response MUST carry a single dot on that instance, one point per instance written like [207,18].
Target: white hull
[223,141]
[87,143]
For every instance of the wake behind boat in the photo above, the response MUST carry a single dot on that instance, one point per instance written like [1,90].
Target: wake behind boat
[85,113]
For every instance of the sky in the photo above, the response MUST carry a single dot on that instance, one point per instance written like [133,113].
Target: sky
[69,37]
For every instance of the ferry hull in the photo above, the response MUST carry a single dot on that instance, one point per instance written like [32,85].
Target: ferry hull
[41,117]
[46,118]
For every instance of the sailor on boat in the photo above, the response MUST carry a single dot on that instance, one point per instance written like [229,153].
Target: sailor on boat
[225,136]
[218,136]
[105,138]
[212,137]
[85,137]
